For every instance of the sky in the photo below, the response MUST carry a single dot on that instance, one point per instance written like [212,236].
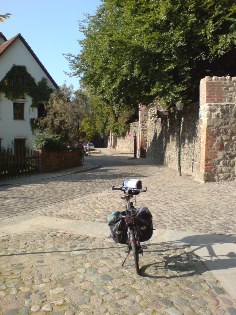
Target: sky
[51,28]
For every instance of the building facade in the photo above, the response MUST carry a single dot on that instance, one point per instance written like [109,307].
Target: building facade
[24,84]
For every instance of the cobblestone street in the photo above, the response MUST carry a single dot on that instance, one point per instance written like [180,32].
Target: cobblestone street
[51,270]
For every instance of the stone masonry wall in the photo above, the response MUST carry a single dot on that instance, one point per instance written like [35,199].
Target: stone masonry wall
[125,144]
[218,128]
[162,137]
[207,133]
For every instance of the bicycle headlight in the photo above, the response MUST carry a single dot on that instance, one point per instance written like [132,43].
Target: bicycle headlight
[132,183]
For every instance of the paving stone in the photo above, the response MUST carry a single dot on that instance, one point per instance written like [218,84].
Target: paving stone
[67,273]
[180,300]
[35,308]
[218,290]
[25,311]
[232,311]
[173,311]
[106,277]
[57,291]
[47,307]
[13,312]
[166,302]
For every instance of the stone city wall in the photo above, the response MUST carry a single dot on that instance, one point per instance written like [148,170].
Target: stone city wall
[163,129]
[124,144]
[218,128]
[207,133]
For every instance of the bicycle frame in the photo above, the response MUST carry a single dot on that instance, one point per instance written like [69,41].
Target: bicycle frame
[133,243]
[129,217]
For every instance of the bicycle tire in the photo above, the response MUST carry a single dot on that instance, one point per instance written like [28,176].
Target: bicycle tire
[133,243]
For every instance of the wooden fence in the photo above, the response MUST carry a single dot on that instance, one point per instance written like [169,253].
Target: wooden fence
[14,165]
[28,162]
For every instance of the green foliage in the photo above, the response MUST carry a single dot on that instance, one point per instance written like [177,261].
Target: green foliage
[135,51]
[48,141]
[5,16]
[64,111]
[41,93]
[102,118]
[18,82]
[34,123]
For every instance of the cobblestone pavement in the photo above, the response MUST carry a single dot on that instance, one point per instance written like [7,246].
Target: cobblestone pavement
[54,272]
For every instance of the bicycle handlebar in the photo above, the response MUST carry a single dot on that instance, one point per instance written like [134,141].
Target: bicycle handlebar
[131,191]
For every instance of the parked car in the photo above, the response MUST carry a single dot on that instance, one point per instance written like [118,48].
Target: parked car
[89,147]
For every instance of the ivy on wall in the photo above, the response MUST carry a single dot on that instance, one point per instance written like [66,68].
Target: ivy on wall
[18,82]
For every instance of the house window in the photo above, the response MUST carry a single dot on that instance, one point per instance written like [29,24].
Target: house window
[18,111]
[41,111]
[19,146]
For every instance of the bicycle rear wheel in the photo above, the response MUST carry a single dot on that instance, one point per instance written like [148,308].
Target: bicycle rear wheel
[133,243]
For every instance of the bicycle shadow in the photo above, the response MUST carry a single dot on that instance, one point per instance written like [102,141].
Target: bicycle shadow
[191,255]
[172,260]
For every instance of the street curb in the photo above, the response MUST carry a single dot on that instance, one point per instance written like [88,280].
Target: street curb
[87,169]
[44,176]
[83,169]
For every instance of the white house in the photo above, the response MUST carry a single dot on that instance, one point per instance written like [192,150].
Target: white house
[22,77]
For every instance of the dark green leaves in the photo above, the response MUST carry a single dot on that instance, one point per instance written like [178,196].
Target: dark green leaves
[134,51]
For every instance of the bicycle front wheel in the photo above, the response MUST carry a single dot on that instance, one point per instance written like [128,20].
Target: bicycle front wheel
[133,243]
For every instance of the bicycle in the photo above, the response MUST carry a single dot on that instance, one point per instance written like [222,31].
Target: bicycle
[131,187]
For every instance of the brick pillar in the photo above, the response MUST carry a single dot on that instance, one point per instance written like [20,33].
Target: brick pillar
[43,160]
[218,128]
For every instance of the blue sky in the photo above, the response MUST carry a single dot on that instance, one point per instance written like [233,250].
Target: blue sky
[51,28]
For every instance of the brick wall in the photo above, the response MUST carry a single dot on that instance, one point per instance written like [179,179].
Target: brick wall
[53,161]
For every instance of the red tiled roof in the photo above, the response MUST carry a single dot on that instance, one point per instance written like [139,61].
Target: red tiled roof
[5,45]
[9,42]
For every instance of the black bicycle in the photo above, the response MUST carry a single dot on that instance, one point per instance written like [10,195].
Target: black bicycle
[129,229]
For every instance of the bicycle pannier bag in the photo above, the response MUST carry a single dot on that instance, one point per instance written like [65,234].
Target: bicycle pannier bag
[117,228]
[144,224]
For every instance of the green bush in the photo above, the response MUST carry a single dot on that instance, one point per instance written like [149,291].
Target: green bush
[50,142]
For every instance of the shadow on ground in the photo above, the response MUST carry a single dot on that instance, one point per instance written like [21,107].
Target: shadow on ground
[190,255]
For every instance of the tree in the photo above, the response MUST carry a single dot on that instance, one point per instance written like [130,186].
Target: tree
[3,17]
[64,111]
[134,51]
[102,118]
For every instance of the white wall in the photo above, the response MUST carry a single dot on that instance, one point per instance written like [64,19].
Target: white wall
[18,54]
[10,128]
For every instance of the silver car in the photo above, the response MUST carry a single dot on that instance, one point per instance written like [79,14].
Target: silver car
[89,147]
